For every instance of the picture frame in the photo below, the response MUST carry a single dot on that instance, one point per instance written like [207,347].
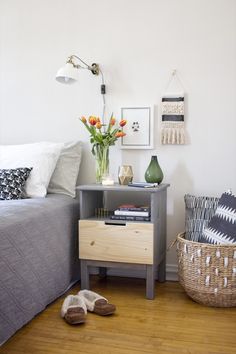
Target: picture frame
[139,127]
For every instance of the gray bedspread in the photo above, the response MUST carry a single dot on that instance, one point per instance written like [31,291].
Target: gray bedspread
[38,256]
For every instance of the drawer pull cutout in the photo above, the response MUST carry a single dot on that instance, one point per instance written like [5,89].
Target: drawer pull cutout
[114,223]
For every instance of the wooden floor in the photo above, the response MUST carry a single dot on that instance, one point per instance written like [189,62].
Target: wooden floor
[172,323]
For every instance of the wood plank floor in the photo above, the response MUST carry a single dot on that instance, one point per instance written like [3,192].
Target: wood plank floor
[172,323]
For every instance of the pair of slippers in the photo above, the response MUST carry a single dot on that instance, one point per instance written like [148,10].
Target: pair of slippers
[74,308]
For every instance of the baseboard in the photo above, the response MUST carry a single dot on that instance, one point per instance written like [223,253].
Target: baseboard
[171,272]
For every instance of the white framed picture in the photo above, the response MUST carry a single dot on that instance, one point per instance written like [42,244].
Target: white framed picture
[139,127]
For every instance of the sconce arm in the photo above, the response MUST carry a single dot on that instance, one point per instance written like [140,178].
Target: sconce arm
[94,68]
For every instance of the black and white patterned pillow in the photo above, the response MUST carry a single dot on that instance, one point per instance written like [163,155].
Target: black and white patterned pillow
[12,182]
[222,226]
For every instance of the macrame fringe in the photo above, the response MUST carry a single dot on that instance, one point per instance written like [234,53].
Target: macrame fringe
[173,133]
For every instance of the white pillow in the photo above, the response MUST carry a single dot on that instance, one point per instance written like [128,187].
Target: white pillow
[41,156]
[63,180]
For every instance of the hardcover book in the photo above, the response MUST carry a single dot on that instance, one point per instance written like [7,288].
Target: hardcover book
[143,185]
[131,207]
[131,212]
[130,218]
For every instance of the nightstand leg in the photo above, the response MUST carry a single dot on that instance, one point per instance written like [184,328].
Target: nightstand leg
[162,271]
[150,282]
[102,272]
[84,283]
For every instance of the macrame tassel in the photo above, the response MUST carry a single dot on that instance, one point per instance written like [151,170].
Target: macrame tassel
[173,133]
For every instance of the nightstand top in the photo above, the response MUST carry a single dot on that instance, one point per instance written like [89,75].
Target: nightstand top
[122,188]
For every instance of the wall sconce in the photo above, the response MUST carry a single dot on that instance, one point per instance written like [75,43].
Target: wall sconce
[69,74]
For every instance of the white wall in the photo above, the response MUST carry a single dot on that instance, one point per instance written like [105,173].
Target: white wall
[137,43]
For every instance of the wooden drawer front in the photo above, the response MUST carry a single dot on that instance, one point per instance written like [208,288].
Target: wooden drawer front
[132,243]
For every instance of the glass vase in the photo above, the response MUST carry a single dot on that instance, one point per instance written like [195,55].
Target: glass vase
[154,172]
[101,153]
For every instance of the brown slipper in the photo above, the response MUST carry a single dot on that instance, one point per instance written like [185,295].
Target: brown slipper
[103,308]
[74,310]
[97,303]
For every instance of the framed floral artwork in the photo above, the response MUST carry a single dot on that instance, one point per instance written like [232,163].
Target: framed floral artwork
[138,129]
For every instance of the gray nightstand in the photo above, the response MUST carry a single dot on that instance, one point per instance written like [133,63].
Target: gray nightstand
[123,244]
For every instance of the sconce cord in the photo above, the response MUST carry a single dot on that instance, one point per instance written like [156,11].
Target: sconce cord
[103,91]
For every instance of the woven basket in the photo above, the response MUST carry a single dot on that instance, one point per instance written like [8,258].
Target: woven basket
[207,272]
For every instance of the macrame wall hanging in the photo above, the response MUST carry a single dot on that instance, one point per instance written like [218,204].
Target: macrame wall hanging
[172,125]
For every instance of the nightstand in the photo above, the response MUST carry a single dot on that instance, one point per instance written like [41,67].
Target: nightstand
[122,244]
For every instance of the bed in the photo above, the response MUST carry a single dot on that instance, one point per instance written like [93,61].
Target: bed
[38,256]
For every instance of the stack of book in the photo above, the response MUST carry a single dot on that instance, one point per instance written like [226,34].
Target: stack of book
[132,212]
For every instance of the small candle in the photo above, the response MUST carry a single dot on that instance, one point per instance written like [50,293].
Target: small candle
[107,181]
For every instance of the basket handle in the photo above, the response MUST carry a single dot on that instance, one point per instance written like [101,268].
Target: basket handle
[173,242]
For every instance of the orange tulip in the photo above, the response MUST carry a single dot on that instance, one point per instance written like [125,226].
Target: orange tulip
[83,119]
[112,121]
[120,134]
[92,120]
[98,125]
[123,122]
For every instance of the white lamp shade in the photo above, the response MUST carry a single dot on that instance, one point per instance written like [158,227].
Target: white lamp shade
[68,74]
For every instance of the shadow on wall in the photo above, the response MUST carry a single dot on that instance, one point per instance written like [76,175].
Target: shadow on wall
[181,184]
[87,166]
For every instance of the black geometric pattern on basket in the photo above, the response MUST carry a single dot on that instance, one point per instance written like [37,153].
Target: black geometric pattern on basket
[12,182]
[222,227]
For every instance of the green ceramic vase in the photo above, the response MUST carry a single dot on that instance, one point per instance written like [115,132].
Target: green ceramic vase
[154,173]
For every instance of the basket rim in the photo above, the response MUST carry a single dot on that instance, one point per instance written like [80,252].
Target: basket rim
[181,237]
